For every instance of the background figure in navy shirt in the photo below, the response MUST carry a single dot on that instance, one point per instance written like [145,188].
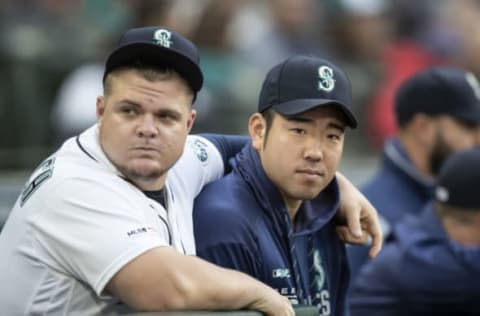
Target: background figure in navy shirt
[433,265]
[267,217]
[438,113]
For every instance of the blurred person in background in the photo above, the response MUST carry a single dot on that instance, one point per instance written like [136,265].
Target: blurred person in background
[227,76]
[293,27]
[357,33]
[40,43]
[69,115]
[420,39]
[438,113]
[36,44]
[462,17]
[432,265]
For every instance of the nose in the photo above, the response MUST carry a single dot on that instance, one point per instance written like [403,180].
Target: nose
[147,127]
[469,139]
[314,150]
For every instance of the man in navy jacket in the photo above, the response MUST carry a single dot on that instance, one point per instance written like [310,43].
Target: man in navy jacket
[438,113]
[267,217]
[433,265]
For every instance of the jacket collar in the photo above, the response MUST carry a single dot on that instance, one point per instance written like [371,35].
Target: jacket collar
[397,157]
[89,144]
[313,214]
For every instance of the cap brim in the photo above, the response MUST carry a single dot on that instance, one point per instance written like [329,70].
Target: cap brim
[472,118]
[153,54]
[302,105]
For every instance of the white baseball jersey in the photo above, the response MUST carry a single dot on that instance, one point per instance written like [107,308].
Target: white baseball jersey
[77,222]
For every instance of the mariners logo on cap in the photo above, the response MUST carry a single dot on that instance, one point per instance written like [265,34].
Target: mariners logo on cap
[473,82]
[162,37]
[442,194]
[326,82]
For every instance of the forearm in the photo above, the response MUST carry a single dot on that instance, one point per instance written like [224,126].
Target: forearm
[207,286]
[359,215]
[163,280]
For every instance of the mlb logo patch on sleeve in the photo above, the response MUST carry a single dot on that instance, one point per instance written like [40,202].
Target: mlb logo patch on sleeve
[200,149]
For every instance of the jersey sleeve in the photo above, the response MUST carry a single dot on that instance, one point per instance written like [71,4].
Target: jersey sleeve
[199,164]
[227,145]
[91,230]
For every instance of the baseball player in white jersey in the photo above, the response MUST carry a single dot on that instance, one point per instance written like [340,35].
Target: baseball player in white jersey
[104,225]
[78,221]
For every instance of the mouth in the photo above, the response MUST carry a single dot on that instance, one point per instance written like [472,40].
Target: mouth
[311,173]
[145,150]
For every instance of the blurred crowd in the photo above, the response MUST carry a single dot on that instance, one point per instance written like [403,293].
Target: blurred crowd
[52,54]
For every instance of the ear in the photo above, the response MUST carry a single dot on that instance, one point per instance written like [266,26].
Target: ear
[100,107]
[257,130]
[191,119]
[477,137]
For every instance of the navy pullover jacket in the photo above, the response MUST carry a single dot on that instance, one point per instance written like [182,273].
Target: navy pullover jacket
[241,222]
[397,189]
[421,272]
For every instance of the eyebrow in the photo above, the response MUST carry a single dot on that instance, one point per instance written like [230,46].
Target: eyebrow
[302,119]
[298,118]
[137,105]
[337,126]
[129,102]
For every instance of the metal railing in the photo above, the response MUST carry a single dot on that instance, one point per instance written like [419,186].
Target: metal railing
[299,311]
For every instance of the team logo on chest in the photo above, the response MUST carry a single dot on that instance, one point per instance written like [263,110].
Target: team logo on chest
[319,271]
[325,81]
[322,296]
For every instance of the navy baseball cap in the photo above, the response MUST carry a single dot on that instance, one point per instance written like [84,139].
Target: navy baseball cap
[439,90]
[459,180]
[301,83]
[158,45]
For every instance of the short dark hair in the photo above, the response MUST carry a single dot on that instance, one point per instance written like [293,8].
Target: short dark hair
[150,72]
[268,116]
